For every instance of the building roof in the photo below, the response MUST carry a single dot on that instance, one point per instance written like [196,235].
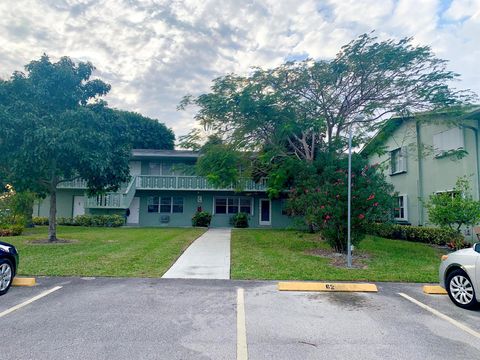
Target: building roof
[153,153]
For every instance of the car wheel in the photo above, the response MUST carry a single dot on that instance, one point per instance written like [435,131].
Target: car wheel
[6,275]
[460,289]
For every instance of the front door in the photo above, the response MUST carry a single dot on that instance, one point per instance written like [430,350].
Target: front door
[78,205]
[265,212]
[134,216]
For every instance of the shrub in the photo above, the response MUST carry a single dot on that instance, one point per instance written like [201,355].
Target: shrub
[40,220]
[320,198]
[201,219]
[83,220]
[65,221]
[11,230]
[98,220]
[454,209]
[428,235]
[239,220]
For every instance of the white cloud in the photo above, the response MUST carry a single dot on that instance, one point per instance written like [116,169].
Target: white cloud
[154,52]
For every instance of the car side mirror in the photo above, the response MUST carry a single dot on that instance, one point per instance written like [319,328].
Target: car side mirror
[476,247]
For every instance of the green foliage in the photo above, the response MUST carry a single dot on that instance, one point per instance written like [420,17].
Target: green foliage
[85,220]
[53,128]
[12,212]
[95,220]
[428,235]
[220,163]
[299,107]
[146,133]
[320,198]
[240,220]
[11,230]
[41,220]
[201,219]
[454,209]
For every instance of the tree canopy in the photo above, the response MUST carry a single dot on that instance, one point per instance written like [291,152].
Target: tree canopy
[300,107]
[147,133]
[54,128]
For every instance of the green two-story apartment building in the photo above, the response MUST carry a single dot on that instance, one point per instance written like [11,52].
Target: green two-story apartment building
[424,155]
[162,192]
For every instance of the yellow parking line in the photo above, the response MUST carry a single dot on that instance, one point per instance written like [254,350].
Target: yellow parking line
[323,286]
[434,290]
[242,352]
[29,301]
[442,316]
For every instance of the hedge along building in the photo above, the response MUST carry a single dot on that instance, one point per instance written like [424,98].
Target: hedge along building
[425,154]
[161,193]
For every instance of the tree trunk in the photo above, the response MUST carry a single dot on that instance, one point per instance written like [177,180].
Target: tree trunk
[28,213]
[52,220]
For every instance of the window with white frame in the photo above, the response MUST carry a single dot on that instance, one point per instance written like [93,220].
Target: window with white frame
[162,168]
[446,141]
[233,205]
[398,161]
[450,193]
[400,210]
[165,204]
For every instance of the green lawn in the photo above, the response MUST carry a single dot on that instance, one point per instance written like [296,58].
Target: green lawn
[135,252]
[280,255]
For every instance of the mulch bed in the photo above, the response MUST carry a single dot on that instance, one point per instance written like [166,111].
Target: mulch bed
[340,260]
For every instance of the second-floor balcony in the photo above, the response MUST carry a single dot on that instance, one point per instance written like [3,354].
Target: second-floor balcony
[186,183]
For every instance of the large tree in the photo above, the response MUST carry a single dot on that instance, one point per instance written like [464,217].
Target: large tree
[54,128]
[300,107]
[147,133]
[298,114]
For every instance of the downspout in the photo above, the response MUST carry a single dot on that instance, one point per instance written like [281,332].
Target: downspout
[475,132]
[420,174]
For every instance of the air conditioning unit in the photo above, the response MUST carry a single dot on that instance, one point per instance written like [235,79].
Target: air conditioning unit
[164,219]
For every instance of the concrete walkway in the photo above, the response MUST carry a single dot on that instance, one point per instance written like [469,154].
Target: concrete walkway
[207,258]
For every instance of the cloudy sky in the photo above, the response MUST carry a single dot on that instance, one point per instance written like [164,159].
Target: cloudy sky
[153,52]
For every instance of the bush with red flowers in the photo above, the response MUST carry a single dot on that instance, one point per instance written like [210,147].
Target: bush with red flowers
[321,200]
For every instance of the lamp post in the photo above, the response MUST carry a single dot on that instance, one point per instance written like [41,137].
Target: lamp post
[349,211]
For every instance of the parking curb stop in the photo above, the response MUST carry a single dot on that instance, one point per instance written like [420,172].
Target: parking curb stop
[24,281]
[325,286]
[434,290]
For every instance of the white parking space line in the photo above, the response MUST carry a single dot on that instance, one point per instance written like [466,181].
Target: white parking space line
[242,352]
[29,301]
[442,316]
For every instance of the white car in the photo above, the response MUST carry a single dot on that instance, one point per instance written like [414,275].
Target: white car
[460,276]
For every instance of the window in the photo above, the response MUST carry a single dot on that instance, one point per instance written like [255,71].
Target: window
[152,204]
[220,205]
[165,204]
[400,210]
[177,204]
[449,140]
[451,193]
[154,169]
[245,205]
[398,161]
[167,169]
[233,205]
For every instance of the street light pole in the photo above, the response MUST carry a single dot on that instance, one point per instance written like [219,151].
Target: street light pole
[349,215]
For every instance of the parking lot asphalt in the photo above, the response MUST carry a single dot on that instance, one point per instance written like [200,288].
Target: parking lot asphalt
[111,318]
